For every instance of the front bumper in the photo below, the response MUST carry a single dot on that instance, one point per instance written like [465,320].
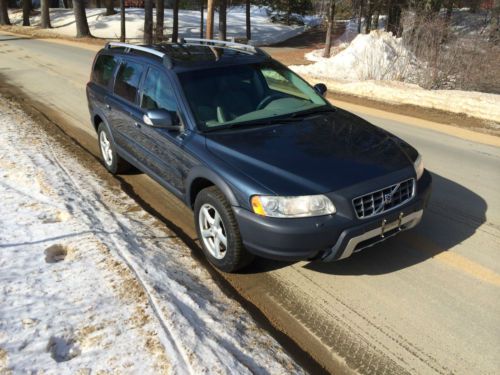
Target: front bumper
[329,237]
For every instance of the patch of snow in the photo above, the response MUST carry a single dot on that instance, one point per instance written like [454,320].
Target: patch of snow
[90,282]
[263,30]
[377,56]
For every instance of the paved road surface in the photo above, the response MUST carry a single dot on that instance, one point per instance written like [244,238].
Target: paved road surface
[427,301]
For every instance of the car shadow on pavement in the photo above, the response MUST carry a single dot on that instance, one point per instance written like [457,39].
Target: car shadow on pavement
[453,215]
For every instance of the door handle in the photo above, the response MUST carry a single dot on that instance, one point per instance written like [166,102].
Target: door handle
[137,125]
[108,106]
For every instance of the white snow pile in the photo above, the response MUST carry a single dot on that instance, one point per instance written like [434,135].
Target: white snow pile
[91,283]
[264,31]
[375,56]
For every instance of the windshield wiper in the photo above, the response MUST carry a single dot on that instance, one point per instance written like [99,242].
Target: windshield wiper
[293,117]
[312,111]
[262,122]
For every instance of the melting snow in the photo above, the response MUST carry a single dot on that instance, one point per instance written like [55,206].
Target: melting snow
[90,282]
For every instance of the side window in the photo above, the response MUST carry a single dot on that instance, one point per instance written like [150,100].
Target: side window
[103,69]
[157,92]
[128,79]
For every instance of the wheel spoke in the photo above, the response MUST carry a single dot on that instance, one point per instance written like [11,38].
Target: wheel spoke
[217,245]
[207,217]
[217,220]
[222,239]
[206,233]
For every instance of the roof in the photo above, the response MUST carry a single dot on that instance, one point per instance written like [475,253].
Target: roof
[187,56]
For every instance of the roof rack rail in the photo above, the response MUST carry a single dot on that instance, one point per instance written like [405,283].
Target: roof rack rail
[221,43]
[128,47]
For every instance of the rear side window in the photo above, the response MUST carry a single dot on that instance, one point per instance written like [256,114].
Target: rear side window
[128,79]
[103,69]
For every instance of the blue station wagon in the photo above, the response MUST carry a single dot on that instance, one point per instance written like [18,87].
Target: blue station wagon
[267,164]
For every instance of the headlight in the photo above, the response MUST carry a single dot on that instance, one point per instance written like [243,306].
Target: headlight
[310,205]
[419,166]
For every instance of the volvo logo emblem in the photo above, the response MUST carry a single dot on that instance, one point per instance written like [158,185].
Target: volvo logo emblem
[387,198]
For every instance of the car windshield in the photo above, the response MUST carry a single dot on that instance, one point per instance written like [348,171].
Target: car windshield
[246,94]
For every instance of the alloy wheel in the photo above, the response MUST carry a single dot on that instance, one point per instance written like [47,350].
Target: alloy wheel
[213,233]
[106,151]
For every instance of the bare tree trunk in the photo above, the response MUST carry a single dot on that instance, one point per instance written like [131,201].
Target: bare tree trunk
[122,21]
[210,19]
[4,13]
[45,16]
[449,10]
[369,15]
[376,20]
[26,12]
[110,7]
[202,6]
[247,17]
[160,19]
[361,13]
[98,3]
[175,26]
[148,22]
[329,30]
[222,19]
[82,27]
[394,17]
[65,4]
[474,6]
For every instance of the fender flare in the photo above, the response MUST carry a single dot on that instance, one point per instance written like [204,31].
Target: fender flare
[104,121]
[205,173]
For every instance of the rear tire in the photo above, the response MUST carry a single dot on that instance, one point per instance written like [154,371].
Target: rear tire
[218,231]
[111,160]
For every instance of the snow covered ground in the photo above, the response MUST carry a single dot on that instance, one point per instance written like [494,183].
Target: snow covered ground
[263,30]
[90,282]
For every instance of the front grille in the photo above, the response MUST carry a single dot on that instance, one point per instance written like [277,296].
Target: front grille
[384,199]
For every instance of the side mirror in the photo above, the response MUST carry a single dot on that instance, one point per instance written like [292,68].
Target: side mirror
[320,88]
[161,118]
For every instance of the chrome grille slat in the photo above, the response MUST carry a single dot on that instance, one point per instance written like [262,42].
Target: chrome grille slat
[374,203]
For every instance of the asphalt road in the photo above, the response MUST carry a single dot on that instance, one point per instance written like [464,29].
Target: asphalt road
[427,301]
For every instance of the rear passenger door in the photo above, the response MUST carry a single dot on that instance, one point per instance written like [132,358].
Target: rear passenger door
[99,85]
[124,109]
[167,158]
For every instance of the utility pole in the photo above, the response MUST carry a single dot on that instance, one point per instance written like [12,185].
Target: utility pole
[210,20]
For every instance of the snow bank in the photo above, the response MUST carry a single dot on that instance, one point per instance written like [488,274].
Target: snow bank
[475,104]
[263,30]
[91,283]
[378,56]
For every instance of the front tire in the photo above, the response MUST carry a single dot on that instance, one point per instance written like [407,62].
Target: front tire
[112,161]
[218,231]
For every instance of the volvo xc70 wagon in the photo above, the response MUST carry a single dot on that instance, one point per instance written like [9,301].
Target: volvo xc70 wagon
[268,165]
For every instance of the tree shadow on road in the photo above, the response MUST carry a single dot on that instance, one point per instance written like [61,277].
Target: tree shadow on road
[454,214]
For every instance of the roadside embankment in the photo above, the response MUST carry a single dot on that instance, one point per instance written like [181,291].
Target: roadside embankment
[479,108]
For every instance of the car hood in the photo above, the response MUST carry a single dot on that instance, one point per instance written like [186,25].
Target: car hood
[323,153]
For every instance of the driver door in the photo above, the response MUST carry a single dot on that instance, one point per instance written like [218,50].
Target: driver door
[166,156]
